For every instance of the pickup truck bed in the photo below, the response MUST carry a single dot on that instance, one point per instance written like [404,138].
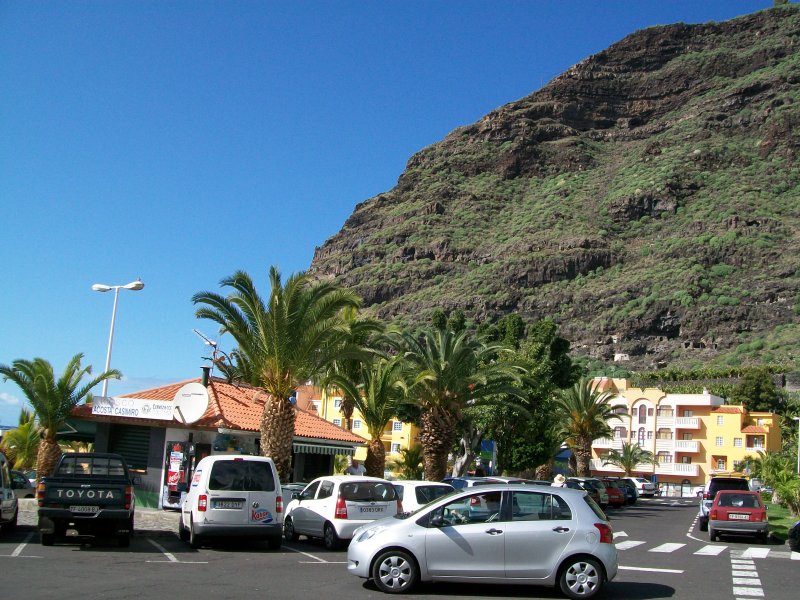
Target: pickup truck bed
[90,492]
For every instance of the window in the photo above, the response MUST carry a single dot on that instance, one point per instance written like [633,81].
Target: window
[618,410]
[720,464]
[641,436]
[736,465]
[531,506]
[395,448]
[241,476]
[310,491]
[664,412]
[478,508]
[664,434]
[720,420]
[642,415]
[761,422]
[356,423]
[718,441]
[649,435]
[649,412]
[687,460]
[663,457]
[688,413]
[737,442]
[337,403]
[337,422]
[620,432]
[325,490]
[397,426]
[687,436]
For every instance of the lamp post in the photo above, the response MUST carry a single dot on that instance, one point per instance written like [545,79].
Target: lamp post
[798,443]
[134,286]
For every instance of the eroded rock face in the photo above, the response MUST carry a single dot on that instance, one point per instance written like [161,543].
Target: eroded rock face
[647,199]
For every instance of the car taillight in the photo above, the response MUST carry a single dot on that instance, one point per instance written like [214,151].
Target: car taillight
[40,489]
[706,496]
[400,510]
[606,533]
[341,509]
[279,504]
[128,496]
[202,503]
[764,515]
[713,514]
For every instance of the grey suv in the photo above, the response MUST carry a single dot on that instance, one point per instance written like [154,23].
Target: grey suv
[716,484]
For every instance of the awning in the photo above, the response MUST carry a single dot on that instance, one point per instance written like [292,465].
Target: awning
[322,449]
[77,429]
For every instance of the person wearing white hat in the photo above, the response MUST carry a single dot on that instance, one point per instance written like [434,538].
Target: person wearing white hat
[559,481]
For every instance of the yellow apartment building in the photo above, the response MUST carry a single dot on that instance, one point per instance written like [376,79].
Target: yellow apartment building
[692,436]
[396,436]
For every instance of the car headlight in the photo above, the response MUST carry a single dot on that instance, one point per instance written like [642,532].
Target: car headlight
[369,532]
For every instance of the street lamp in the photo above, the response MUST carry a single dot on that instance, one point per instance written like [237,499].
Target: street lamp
[798,443]
[134,286]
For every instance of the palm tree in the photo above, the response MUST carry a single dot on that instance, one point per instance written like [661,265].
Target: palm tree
[377,396]
[630,456]
[52,400]
[449,371]
[22,444]
[282,343]
[361,334]
[583,413]
[410,463]
[774,469]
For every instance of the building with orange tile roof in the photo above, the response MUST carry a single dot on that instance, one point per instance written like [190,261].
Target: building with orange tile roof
[144,428]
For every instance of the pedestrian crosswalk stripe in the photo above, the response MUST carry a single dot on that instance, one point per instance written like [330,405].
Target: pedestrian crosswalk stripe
[711,550]
[746,581]
[628,544]
[666,548]
[753,592]
[750,574]
[619,534]
[755,553]
[795,555]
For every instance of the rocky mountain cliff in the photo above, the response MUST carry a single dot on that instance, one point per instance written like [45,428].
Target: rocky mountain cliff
[647,200]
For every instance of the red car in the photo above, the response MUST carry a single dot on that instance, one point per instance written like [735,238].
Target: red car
[616,495]
[738,512]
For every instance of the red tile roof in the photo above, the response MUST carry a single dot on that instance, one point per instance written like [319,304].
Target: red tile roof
[734,410]
[230,406]
[754,429]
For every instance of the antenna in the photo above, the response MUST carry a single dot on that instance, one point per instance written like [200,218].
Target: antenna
[206,339]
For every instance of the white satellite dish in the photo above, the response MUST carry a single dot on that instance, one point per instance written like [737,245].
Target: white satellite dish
[190,403]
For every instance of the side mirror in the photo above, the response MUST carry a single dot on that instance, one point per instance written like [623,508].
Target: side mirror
[296,496]
[136,480]
[437,521]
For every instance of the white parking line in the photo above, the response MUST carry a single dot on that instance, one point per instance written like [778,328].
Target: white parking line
[650,570]
[619,534]
[628,544]
[171,557]
[316,558]
[18,550]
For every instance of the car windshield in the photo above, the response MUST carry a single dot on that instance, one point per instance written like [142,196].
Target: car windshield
[367,491]
[91,465]
[241,476]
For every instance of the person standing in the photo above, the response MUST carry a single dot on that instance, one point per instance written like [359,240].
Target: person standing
[355,468]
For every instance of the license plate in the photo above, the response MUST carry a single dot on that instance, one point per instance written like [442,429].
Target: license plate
[370,509]
[738,517]
[84,509]
[228,504]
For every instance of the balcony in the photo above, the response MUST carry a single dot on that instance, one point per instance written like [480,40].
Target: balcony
[596,464]
[687,446]
[665,445]
[687,423]
[603,443]
[681,469]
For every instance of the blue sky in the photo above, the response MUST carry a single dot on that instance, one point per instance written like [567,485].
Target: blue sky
[181,141]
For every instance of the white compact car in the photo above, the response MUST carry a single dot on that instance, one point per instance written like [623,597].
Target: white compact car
[532,535]
[334,506]
[644,487]
[415,494]
[9,505]
[233,495]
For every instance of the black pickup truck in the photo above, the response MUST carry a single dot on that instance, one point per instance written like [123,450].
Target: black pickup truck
[91,492]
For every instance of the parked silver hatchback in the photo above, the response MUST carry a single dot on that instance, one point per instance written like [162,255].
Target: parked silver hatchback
[522,534]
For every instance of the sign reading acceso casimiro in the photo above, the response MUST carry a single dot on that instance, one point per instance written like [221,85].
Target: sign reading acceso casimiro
[135,408]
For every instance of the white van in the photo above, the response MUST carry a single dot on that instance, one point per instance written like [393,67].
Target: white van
[233,495]
[9,505]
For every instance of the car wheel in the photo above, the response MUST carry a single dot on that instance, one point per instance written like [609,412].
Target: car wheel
[194,539]
[581,578]
[331,539]
[12,524]
[289,534]
[274,542]
[47,539]
[395,572]
[703,524]
[183,533]
[763,537]
[712,535]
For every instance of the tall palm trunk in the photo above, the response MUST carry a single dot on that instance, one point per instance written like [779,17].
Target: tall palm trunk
[437,437]
[375,463]
[277,433]
[346,408]
[47,456]
[583,456]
